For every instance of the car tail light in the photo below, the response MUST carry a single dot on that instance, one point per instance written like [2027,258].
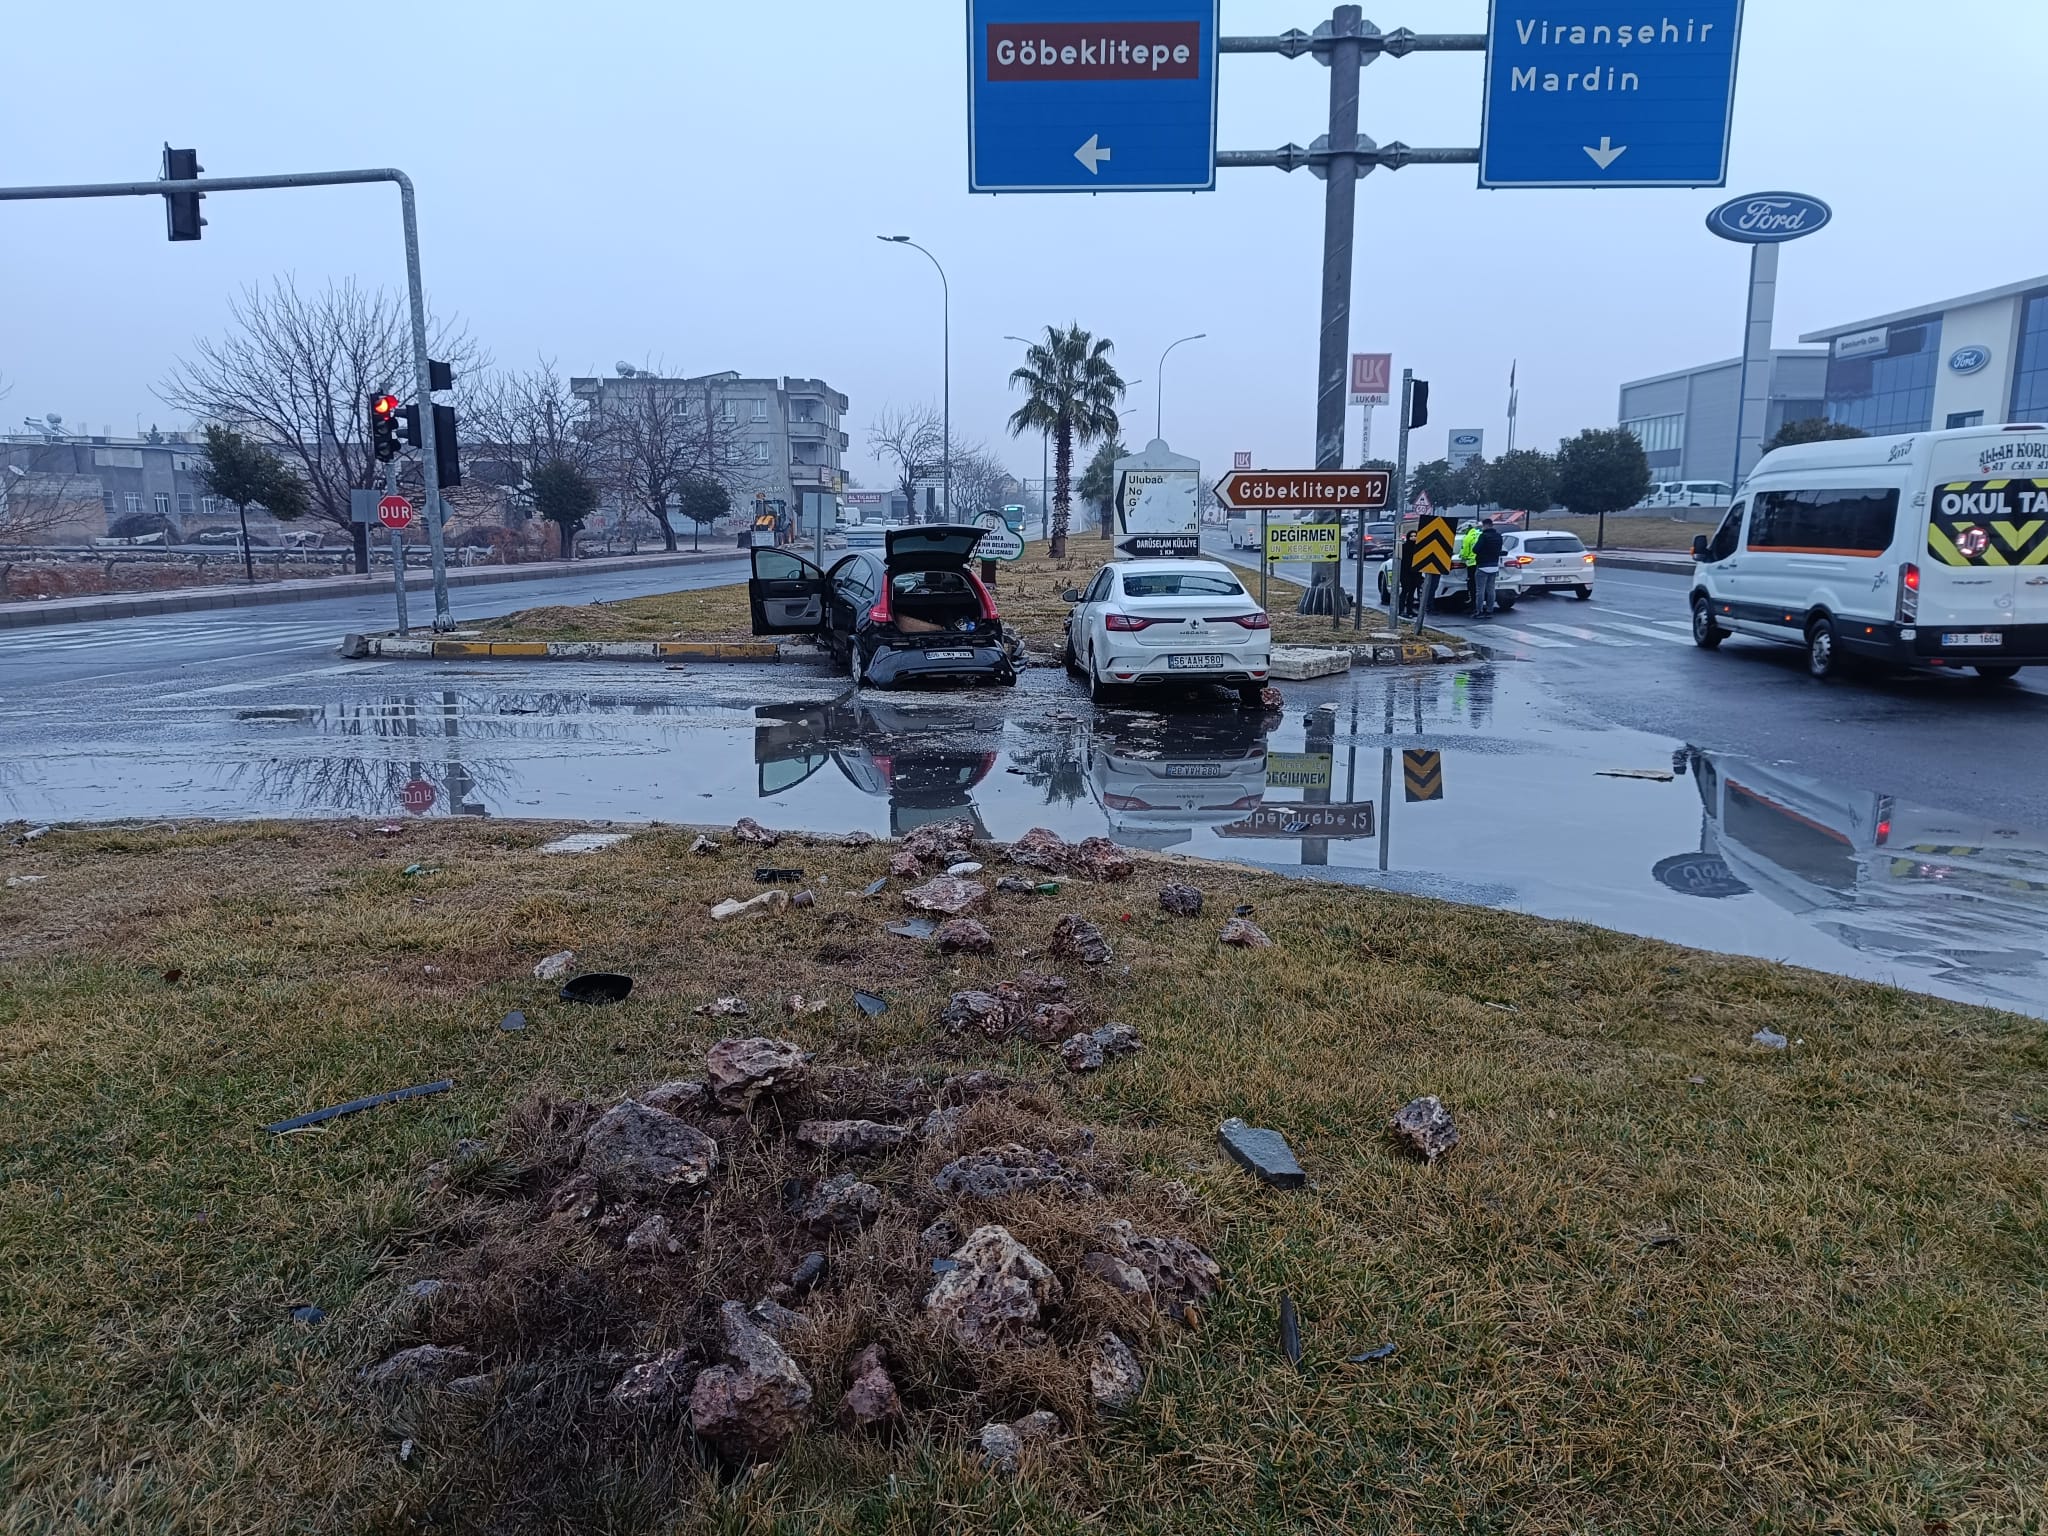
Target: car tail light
[1521,560]
[1589,557]
[1909,592]
[1247,620]
[988,602]
[1126,622]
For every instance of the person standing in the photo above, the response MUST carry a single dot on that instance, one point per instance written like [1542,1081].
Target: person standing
[1486,550]
[1468,536]
[1411,578]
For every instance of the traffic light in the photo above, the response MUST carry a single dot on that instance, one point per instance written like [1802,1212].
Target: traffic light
[1418,403]
[181,209]
[447,457]
[439,375]
[408,417]
[384,410]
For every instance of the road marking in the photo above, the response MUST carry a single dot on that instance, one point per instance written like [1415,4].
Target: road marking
[1594,636]
[1655,634]
[1538,640]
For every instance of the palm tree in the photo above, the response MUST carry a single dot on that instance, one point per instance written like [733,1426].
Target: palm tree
[1072,390]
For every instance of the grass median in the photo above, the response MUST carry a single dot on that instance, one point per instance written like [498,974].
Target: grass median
[1671,1279]
[1028,594]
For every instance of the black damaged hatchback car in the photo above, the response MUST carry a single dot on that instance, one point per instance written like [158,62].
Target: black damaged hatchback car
[913,611]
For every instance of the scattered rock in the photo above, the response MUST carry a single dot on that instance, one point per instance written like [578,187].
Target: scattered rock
[941,1126]
[998,1293]
[555,965]
[1178,1275]
[1016,885]
[941,842]
[577,1197]
[1180,899]
[947,895]
[983,1012]
[996,1172]
[905,866]
[1425,1125]
[964,867]
[1245,934]
[809,1271]
[725,1008]
[921,928]
[1100,859]
[422,1365]
[1114,1376]
[748,830]
[851,1138]
[674,1098]
[763,905]
[1050,1022]
[841,1205]
[803,901]
[963,935]
[748,1408]
[800,1006]
[1264,1152]
[652,1239]
[1075,938]
[1041,848]
[1034,1427]
[871,1402]
[742,1070]
[703,845]
[938,1239]
[658,1385]
[776,1320]
[642,1151]
[1124,1278]
[1086,1052]
[1271,699]
[1001,1448]
[513,1021]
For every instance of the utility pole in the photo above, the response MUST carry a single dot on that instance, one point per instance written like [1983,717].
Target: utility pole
[1400,497]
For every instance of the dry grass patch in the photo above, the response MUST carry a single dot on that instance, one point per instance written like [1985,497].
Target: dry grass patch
[1670,1280]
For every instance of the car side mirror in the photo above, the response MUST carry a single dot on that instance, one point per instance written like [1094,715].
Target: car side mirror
[1699,546]
[1071,595]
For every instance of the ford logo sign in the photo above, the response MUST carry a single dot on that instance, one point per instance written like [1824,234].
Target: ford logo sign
[1466,439]
[1766,218]
[1969,359]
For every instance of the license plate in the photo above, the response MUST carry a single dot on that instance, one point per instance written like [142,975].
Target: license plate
[1973,637]
[1197,770]
[1557,581]
[1194,663]
[949,655]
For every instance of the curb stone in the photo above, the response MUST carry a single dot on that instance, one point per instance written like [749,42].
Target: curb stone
[393,648]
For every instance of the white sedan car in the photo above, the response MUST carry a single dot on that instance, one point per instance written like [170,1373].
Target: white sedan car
[1151,622]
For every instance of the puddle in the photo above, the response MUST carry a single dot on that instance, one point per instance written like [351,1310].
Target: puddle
[1465,785]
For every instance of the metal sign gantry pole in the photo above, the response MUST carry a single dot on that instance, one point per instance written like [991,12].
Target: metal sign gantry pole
[1345,43]
[415,293]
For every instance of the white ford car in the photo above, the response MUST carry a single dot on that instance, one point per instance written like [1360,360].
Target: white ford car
[1144,623]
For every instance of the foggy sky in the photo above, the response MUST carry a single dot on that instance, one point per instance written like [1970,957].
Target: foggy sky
[699,185]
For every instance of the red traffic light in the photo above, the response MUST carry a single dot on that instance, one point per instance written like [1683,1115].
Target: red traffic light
[383,407]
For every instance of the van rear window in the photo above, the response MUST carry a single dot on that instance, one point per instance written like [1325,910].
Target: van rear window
[1846,522]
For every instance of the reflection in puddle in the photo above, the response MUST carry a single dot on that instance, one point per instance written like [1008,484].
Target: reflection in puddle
[1455,784]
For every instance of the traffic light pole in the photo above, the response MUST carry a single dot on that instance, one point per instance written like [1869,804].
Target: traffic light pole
[443,619]
[397,551]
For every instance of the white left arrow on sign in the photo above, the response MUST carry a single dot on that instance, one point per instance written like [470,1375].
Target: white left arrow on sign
[1607,153]
[1092,154]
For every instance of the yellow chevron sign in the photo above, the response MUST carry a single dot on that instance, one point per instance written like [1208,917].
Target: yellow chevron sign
[1433,547]
[1422,775]
[1990,522]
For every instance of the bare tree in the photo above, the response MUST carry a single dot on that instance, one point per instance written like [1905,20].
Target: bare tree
[980,483]
[295,371]
[914,441]
[43,495]
[524,421]
[653,438]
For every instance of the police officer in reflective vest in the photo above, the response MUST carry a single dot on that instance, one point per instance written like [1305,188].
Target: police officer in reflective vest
[1467,547]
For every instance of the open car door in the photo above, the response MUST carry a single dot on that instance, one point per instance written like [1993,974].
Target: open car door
[786,594]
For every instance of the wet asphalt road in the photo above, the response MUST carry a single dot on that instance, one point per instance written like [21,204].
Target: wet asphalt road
[1838,826]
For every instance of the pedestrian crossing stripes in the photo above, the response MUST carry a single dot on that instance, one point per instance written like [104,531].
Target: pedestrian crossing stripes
[1591,630]
[131,632]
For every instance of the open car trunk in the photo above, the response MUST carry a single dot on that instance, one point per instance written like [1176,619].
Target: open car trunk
[933,602]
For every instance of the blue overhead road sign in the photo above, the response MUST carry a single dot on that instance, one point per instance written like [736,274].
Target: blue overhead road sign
[1091,95]
[1608,93]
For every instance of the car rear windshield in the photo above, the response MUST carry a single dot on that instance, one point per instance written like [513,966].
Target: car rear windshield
[1552,544]
[930,583]
[1181,584]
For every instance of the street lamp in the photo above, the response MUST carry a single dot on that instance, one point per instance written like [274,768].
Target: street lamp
[946,322]
[1159,386]
[1044,463]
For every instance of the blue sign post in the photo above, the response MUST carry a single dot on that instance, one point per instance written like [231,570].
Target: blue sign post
[1604,93]
[1061,100]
